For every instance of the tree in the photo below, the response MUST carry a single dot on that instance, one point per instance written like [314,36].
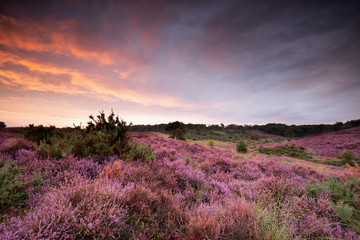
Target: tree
[176,130]
[2,125]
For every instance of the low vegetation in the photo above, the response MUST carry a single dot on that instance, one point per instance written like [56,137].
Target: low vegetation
[287,151]
[241,147]
[102,182]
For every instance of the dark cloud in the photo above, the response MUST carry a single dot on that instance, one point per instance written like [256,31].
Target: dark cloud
[243,61]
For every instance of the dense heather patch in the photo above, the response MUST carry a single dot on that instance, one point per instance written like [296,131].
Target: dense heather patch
[332,144]
[187,191]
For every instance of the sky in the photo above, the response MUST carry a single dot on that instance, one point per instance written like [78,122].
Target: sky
[211,62]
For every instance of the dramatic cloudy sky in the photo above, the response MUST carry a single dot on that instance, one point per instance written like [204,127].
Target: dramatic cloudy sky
[243,62]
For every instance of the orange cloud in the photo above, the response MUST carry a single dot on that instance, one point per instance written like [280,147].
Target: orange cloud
[80,83]
[55,37]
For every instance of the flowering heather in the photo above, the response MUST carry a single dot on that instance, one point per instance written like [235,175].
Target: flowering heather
[332,144]
[187,191]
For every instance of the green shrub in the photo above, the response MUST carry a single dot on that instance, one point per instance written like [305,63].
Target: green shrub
[345,197]
[332,162]
[103,136]
[40,133]
[241,147]
[138,151]
[112,130]
[187,160]
[348,156]
[12,191]
[288,151]
[211,143]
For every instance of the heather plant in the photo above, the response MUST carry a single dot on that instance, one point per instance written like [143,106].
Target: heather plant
[234,220]
[83,209]
[14,144]
[215,194]
[241,147]
[334,143]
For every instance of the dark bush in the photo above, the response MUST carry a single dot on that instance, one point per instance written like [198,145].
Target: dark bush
[348,157]
[102,136]
[176,130]
[254,137]
[241,147]
[2,125]
[40,133]
[288,151]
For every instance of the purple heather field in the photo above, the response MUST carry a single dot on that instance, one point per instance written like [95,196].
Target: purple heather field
[188,191]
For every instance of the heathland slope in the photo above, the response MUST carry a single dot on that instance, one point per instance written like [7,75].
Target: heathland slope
[187,191]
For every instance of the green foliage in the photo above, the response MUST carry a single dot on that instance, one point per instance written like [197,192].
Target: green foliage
[345,197]
[241,147]
[348,156]
[176,130]
[103,136]
[211,143]
[12,189]
[2,125]
[288,151]
[138,151]
[112,130]
[201,193]
[332,162]
[187,160]
[40,133]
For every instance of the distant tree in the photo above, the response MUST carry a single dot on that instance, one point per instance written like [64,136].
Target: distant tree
[338,126]
[289,132]
[176,130]
[2,125]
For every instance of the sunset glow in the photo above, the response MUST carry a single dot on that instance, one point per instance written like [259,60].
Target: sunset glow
[160,61]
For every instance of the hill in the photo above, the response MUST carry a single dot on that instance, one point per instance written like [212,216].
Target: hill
[331,144]
[188,191]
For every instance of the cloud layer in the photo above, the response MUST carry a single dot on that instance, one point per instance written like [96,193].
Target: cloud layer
[158,61]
